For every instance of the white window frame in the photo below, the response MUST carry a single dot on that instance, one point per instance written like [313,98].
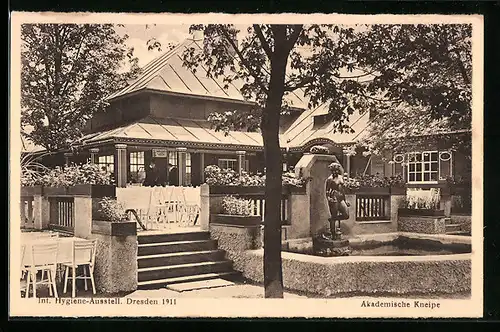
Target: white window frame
[423,171]
[227,160]
[136,162]
[106,161]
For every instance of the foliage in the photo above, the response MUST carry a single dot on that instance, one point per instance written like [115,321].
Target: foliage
[216,176]
[351,183]
[70,175]
[67,70]
[346,69]
[111,210]
[422,199]
[318,149]
[236,206]
[425,76]
[31,169]
[379,181]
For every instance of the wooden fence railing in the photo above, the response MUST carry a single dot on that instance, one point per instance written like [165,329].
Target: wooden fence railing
[257,197]
[61,215]
[372,207]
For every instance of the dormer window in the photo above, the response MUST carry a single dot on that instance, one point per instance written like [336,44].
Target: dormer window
[321,120]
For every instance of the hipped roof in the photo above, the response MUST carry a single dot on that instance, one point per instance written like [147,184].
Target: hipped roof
[181,132]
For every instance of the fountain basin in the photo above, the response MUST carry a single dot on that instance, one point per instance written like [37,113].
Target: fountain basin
[433,272]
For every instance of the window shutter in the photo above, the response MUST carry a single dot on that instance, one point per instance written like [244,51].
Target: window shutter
[398,164]
[445,161]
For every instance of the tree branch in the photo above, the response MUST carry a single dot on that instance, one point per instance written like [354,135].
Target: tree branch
[263,41]
[243,60]
[292,39]
[301,84]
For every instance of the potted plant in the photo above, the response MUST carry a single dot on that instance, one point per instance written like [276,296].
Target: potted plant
[31,173]
[236,211]
[421,203]
[110,219]
[319,149]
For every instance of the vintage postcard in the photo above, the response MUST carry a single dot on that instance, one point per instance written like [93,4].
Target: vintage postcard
[216,165]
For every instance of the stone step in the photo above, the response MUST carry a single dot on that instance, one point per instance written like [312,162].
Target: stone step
[448,221]
[458,233]
[177,246]
[453,227]
[183,270]
[177,258]
[172,237]
[159,283]
[203,284]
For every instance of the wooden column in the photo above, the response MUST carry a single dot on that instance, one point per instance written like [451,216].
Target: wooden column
[241,161]
[67,156]
[348,165]
[121,165]
[93,155]
[202,167]
[181,165]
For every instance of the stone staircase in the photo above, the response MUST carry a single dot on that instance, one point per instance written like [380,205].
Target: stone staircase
[180,258]
[453,228]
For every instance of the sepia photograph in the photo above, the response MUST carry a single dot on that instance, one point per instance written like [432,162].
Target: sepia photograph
[219,165]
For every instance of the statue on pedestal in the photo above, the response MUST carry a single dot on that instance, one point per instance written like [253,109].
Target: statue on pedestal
[332,244]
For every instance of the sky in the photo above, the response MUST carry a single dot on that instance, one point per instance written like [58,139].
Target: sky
[140,34]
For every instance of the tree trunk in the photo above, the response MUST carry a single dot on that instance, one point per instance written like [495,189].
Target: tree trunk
[273,275]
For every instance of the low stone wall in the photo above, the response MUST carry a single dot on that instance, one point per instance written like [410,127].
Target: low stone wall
[465,221]
[366,275]
[116,263]
[236,241]
[420,224]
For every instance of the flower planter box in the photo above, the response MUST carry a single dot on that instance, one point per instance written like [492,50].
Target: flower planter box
[228,219]
[246,190]
[123,228]
[93,190]
[55,191]
[403,212]
[398,190]
[31,190]
[373,191]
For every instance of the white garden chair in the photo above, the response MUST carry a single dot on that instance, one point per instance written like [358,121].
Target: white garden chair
[84,256]
[43,259]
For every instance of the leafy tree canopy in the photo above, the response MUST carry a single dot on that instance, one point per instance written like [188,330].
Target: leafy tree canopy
[67,71]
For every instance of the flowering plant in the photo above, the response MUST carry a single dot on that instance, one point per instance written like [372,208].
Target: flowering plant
[111,210]
[372,181]
[320,149]
[422,199]
[31,170]
[216,176]
[236,206]
[72,175]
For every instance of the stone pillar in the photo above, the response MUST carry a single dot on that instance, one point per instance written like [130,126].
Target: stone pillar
[300,224]
[202,167]
[241,161]
[121,165]
[83,216]
[204,206]
[41,211]
[348,165]
[67,156]
[93,155]
[315,168]
[181,165]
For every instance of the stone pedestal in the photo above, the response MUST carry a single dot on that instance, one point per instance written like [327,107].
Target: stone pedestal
[314,167]
[330,247]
